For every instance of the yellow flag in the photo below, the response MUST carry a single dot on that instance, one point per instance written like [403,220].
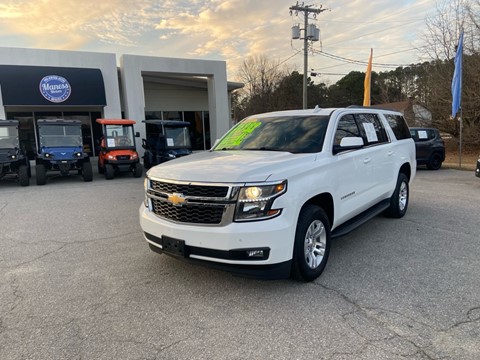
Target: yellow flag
[367,82]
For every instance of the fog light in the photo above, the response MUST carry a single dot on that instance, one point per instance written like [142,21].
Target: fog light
[255,253]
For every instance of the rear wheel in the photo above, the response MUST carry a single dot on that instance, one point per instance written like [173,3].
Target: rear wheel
[23,177]
[312,243]
[138,171]
[109,171]
[41,174]
[87,171]
[399,199]
[435,162]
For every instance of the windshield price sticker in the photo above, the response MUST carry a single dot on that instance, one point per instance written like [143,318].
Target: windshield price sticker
[237,135]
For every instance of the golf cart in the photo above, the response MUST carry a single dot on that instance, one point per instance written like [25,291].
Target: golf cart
[60,149]
[13,160]
[117,148]
[166,140]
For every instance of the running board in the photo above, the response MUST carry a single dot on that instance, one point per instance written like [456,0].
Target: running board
[360,219]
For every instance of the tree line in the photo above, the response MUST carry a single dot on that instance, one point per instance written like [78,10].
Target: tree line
[271,85]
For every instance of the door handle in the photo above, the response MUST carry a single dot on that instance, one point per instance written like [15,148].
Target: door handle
[367,160]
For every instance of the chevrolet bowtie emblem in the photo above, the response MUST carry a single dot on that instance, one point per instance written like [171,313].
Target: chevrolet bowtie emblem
[176,199]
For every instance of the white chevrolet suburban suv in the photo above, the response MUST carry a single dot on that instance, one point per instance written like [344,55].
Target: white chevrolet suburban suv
[268,198]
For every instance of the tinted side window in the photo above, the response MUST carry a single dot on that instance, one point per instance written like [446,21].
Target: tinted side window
[347,126]
[399,126]
[371,129]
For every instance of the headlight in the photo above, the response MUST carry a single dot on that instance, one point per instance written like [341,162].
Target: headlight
[13,157]
[78,154]
[145,186]
[255,202]
[110,157]
[47,155]
[134,156]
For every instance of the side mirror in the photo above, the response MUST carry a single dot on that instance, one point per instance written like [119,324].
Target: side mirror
[348,143]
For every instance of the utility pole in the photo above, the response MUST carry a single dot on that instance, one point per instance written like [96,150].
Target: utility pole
[309,34]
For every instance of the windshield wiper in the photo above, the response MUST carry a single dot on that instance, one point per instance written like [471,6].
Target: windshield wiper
[266,148]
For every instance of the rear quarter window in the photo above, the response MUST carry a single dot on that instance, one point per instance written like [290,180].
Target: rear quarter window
[399,126]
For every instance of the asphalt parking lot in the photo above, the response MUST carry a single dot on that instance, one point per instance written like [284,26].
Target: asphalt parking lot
[77,281]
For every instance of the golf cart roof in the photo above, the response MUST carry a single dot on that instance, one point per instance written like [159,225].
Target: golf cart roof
[166,122]
[116,121]
[59,122]
[8,122]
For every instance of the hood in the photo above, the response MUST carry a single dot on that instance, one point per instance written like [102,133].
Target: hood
[232,166]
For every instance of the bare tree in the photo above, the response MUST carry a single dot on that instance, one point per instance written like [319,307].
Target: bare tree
[444,29]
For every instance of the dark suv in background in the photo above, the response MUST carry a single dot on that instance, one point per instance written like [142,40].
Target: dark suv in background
[429,146]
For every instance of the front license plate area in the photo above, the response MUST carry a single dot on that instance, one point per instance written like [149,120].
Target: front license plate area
[173,246]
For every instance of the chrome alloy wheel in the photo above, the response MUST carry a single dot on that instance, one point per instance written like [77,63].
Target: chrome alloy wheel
[403,196]
[315,244]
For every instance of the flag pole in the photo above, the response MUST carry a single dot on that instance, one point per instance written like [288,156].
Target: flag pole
[461,133]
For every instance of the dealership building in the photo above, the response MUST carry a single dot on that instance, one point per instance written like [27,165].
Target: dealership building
[49,84]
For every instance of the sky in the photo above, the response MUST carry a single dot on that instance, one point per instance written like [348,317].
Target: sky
[229,30]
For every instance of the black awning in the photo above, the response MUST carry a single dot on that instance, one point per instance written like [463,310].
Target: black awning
[53,86]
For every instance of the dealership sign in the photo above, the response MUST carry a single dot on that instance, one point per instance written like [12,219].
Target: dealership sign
[55,88]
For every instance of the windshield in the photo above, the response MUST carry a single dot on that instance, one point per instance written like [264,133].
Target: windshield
[295,134]
[8,137]
[177,137]
[60,135]
[119,136]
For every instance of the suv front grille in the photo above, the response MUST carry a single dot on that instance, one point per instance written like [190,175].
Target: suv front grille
[199,203]
[191,213]
[190,190]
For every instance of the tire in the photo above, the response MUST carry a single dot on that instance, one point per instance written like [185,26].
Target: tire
[399,200]
[87,171]
[312,243]
[435,162]
[146,163]
[41,174]
[23,177]
[138,171]
[109,171]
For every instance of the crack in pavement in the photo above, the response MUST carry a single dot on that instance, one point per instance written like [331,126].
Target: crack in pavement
[367,313]
[63,245]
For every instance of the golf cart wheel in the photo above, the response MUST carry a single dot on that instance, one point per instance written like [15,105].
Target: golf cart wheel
[23,177]
[87,171]
[109,172]
[138,171]
[41,174]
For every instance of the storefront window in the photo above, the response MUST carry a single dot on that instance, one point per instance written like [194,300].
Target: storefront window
[199,125]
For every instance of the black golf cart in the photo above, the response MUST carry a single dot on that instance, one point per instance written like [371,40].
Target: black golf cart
[13,159]
[166,140]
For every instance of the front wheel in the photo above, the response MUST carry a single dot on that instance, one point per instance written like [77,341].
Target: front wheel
[109,171]
[23,177]
[312,243]
[399,200]
[138,170]
[87,171]
[41,174]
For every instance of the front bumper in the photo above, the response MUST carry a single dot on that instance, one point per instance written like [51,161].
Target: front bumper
[225,247]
